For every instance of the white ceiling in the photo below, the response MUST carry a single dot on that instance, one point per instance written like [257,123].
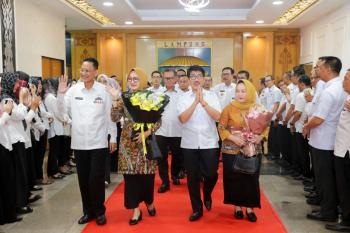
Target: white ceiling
[169,13]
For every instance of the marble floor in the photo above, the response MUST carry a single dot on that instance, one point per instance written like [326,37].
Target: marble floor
[51,216]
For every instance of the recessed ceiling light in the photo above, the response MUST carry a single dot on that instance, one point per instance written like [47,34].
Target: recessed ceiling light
[277,3]
[108,3]
[129,22]
[259,21]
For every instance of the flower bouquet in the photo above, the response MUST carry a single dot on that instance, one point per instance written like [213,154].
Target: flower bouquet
[145,109]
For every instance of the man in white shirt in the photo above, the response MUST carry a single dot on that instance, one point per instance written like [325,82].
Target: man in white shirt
[184,85]
[273,99]
[208,82]
[156,80]
[179,73]
[227,89]
[199,110]
[89,105]
[342,162]
[296,128]
[169,136]
[322,128]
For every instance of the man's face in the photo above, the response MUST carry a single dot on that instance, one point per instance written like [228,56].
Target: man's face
[207,83]
[268,82]
[242,76]
[286,79]
[227,77]
[346,82]
[169,80]
[301,86]
[184,83]
[321,70]
[87,72]
[196,80]
[156,78]
[294,79]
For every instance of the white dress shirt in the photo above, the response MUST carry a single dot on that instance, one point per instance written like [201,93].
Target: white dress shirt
[342,142]
[56,127]
[274,95]
[160,89]
[225,93]
[199,132]
[318,90]
[300,104]
[90,111]
[4,137]
[171,125]
[328,107]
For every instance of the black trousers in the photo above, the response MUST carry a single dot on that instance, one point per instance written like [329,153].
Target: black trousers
[91,176]
[20,165]
[273,142]
[325,181]
[167,144]
[296,165]
[342,173]
[138,189]
[201,163]
[31,175]
[285,143]
[8,186]
[67,151]
[302,148]
[40,149]
[56,152]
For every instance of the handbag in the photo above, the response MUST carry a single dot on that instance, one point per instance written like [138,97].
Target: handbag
[246,165]
[153,151]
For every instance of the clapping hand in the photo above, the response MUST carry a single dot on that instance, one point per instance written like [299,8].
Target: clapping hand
[63,84]
[8,106]
[35,102]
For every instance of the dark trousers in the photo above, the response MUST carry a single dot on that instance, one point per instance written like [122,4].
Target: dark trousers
[138,188]
[201,163]
[8,186]
[67,151]
[31,175]
[167,144]
[273,144]
[20,165]
[302,148]
[56,152]
[40,154]
[294,152]
[91,176]
[342,173]
[325,181]
[285,143]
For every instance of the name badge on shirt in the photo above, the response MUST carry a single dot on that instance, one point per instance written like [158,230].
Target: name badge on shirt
[79,98]
[222,93]
[98,100]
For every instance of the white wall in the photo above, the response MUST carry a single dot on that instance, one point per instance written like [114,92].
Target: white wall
[330,36]
[39,32]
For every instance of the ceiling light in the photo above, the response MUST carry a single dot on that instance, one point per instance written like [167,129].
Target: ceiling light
[259,21]
[277,3]
[129,22]
[108,3]
[194,5]
[294,11]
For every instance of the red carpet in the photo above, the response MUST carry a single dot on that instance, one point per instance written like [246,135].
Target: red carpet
[173,210]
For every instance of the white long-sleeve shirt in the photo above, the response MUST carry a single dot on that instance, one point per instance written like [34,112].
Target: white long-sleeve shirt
[90,111]
[4,137]
[56,127]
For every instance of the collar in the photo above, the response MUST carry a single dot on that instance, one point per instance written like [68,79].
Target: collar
[82,86]
[330,82]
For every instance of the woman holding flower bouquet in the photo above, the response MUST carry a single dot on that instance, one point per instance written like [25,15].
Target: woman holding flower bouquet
[138,171]
[241,187]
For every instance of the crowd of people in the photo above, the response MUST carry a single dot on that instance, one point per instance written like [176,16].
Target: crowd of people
[88,119]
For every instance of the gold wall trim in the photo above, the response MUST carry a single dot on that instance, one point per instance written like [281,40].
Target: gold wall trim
[90,11]
[294,11]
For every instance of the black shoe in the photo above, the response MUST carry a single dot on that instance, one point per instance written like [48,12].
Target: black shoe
[207,205]
[195,216]
[176,182]
[135,221]
[24,210]
[101,220]
[300,177]
[34,198]
[163,188]
[238,214]
[313,201]
[312,195]
[17,219]
[309,188]
[84,219]
[319,217]
[182,174]
[341,227]
[152,212]
[251,216]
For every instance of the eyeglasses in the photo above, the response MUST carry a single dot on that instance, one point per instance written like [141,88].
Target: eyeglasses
[133,79]
[196,77]
[169,78]
[225,74]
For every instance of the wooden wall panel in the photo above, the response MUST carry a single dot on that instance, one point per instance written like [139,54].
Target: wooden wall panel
[51,67]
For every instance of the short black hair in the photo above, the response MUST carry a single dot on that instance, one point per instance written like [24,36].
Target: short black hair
[93,61]
[113,76]
[305,79]
[195,68]
[181,70]
[228,68]
[298,70]
[245,72]
[156,72]
[170,70]
[333,62]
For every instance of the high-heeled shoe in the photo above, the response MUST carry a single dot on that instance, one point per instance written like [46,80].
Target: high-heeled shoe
[151,212]
[135,221]
[251,216]
[238,214]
